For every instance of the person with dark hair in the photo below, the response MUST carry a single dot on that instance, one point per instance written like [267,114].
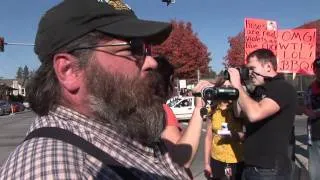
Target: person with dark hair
[166,70]
[172,135]
[223,154]
[99,109]
[312,110]
[270,118]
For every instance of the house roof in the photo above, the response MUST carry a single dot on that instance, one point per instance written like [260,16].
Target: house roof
[6,87]
[8,82]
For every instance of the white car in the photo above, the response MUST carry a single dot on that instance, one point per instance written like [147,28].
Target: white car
[182,107]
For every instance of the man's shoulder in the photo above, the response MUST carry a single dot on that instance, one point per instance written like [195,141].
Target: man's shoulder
[43,157]
[280,85]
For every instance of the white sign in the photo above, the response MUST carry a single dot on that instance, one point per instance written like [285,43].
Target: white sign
[183,83]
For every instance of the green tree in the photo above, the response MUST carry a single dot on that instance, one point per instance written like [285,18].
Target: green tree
[211,74]
[19,73]
[25,72]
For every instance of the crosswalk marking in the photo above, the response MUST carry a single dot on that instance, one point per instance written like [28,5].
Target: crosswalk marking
[301,145]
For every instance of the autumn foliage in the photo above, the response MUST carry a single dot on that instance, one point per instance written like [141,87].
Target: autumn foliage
[185,51]
[235,54]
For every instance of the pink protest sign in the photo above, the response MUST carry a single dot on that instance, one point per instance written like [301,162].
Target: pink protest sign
[260,33]
[296,50]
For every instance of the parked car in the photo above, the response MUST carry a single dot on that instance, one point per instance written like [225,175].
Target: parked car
[26,105]
[17,107]
[2,111]
[183,107]
[5,107]
[172,101]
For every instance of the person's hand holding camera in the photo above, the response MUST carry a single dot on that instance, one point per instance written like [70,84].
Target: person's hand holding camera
[198,89]
[235,78]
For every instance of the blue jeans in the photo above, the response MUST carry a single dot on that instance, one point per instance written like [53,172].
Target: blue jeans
[314,160]
[253,173]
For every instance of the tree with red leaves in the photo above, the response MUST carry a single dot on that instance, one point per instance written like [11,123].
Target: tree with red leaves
[185,51]
[235,54]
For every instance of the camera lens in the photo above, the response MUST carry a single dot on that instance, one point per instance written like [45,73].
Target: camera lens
[208,93]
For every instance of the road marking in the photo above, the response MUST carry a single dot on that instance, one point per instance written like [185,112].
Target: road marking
[301,145]
[303,160]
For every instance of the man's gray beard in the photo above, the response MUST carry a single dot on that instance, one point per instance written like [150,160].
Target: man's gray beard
[131,106]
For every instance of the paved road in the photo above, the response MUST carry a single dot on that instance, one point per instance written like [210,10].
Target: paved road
[14,127]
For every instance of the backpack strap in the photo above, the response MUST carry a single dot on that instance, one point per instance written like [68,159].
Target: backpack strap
[85,146]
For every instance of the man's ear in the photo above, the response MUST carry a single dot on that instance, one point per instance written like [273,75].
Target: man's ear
[269,66]
[68,72]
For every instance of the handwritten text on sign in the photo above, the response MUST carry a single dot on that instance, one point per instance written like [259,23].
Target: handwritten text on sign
[260,33]
[296,50]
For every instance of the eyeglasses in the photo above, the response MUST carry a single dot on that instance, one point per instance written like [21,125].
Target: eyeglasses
[138,48]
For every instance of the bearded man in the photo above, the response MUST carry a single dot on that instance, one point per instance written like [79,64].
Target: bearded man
[97,98]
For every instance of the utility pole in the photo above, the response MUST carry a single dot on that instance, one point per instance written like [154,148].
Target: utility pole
[198,74]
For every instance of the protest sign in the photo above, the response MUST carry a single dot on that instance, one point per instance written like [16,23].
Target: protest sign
[296,50]
[260,33]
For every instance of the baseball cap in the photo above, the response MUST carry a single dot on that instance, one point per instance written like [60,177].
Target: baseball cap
[72,19]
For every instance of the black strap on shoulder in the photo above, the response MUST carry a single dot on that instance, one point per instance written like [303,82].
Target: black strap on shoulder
[70,138]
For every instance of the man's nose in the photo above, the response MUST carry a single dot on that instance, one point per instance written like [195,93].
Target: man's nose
[149,64]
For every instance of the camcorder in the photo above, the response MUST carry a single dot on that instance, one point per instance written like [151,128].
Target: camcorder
[211,94]
[243,71]
[219,93]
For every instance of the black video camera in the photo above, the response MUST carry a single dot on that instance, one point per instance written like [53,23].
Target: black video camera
[243,71]
[220,93]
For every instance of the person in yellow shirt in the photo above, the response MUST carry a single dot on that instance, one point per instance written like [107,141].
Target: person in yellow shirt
[223,153]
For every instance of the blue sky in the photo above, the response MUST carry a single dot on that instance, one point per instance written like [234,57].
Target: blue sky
[212,20]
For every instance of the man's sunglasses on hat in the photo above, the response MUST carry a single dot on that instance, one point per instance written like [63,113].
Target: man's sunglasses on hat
[138,48]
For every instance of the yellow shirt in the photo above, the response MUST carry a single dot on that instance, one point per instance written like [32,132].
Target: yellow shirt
[223,149]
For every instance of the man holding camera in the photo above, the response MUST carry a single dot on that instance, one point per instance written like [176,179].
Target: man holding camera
[270,118]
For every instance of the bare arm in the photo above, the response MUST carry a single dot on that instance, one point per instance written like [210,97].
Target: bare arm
[191,135]
[236,109]
[172,134]
[207,144]
[254,110]
[174,139]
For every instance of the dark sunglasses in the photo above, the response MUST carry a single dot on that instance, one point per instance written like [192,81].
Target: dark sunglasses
[138,47]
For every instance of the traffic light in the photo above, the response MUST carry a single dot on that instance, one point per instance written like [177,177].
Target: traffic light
[169,2]
[1,44]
